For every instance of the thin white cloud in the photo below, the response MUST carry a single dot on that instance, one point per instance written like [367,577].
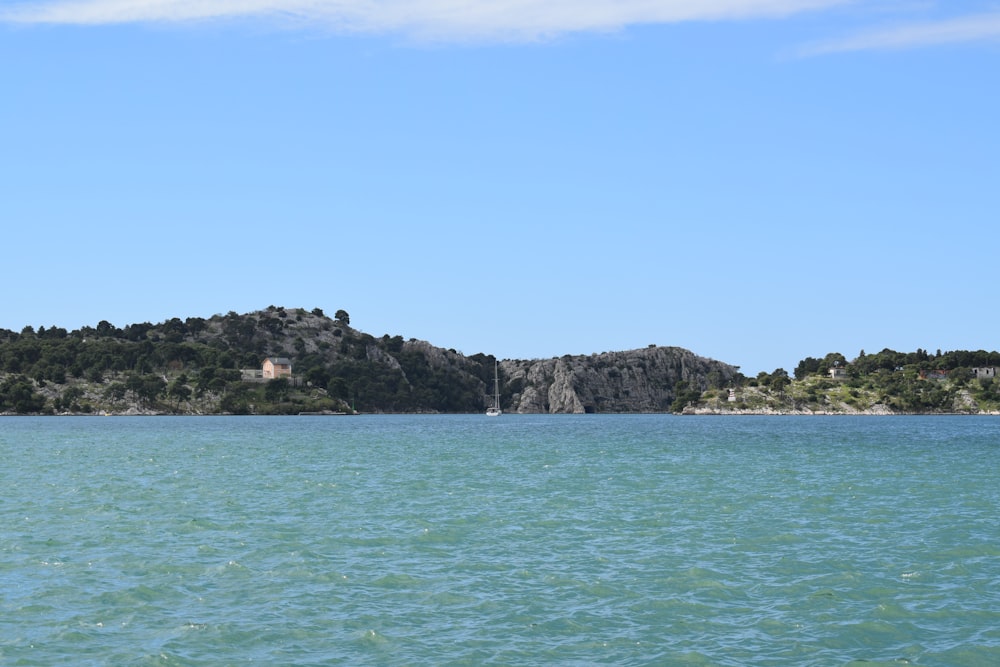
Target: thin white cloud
[434,19]
[963,29]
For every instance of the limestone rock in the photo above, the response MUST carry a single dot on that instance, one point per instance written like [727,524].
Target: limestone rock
[641,380]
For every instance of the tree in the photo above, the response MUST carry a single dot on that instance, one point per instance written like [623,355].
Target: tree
[18,393]
[807,367]
[275,390]
[115,392]
[105,329]
[196,325]
[685,395]
[236,401]
[716,380]
[393,345]
[337,388]
[70,398]
[342,316]
[834,359]
[780,379]
[145,388]
[152,387]
[317,376]
[178,389]
[960,376]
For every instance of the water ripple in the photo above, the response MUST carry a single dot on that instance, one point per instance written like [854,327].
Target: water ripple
[530,540]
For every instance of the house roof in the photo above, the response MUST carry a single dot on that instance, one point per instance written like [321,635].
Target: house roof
[280,361]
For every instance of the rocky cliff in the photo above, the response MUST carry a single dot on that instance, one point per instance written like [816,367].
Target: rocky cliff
[643,380]
[206,366]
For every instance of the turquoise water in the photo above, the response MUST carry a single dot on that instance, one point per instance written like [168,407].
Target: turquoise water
[523,540]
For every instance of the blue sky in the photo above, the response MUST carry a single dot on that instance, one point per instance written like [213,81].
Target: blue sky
[755,180]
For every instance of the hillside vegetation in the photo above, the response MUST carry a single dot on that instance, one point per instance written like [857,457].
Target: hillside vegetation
[206,366]
[196,366]
[890,382]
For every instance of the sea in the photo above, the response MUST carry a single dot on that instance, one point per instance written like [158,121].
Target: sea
[519,540]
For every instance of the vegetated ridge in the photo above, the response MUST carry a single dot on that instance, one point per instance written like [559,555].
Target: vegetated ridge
[211,366]
[886,383]
[207,366]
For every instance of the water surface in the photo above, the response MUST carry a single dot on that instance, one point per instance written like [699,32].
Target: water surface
[523,540]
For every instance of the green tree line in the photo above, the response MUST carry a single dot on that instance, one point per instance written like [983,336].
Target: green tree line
[168,366]
[904,382]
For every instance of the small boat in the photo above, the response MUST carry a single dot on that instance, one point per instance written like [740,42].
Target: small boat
[494,409]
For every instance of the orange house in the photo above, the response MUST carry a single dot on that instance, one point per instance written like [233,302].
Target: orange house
[277,367]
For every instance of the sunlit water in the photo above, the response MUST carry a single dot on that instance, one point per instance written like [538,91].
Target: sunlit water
[523,540]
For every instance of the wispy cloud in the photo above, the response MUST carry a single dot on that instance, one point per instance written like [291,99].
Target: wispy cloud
[497,20]
[963,29]
[429,19]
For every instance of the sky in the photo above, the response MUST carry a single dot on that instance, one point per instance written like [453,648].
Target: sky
[758,181]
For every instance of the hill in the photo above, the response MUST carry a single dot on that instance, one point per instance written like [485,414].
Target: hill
[207,366]
[886,383]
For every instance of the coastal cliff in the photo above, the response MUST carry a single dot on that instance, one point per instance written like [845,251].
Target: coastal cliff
[643,380]
[213,366]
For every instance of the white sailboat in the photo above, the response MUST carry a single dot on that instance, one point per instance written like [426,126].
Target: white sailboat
[494,409]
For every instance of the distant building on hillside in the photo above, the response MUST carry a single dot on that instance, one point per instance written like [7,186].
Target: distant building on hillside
[838,373]
[276,367]
[983,373]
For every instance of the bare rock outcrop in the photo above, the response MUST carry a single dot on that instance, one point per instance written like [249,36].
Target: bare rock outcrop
[643,380]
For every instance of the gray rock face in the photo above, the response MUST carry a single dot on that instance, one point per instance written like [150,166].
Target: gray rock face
[333,362]
[641,380]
